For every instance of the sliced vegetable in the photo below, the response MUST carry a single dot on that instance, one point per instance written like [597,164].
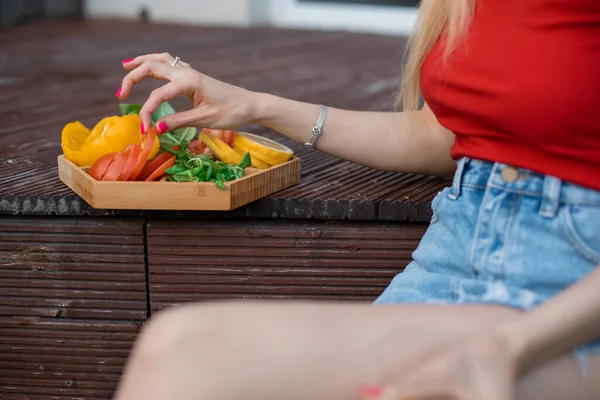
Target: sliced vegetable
[197,147]
[225,135]
[135,150]
[153,164]
[221,150]
[264,149]
[112,134]
[116,167]
[146,151]
[160,171]
[99,168]
[256,163]
[155,147]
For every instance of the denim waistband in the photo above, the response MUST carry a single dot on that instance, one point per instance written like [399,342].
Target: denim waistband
[552,190]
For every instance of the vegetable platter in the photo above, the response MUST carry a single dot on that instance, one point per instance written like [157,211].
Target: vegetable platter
[115,166]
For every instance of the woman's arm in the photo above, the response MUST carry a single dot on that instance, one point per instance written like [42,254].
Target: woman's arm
[487,364]
[569,320]
[401,142]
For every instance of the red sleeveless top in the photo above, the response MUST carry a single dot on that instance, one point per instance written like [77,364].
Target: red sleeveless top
[523,87]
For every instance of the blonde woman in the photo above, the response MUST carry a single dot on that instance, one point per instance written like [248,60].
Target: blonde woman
[502,299]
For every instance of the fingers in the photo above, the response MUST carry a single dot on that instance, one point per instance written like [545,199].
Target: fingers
[149,69]
[133,63]
[164,58]
[193,117]
[157,97]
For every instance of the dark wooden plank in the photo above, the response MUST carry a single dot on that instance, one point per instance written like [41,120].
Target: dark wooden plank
[50,276]
[413,201]
[46,358]
[203,260]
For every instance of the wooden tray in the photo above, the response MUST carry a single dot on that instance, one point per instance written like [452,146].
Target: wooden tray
[165,195]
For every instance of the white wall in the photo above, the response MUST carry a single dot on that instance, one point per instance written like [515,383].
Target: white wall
[212,12]
[353,17]
[283,13]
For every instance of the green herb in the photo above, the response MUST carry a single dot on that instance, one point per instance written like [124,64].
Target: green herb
[163,110]
[127,109]
[166,142]
[190,167]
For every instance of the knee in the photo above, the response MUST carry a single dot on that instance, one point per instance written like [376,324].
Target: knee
[180,331]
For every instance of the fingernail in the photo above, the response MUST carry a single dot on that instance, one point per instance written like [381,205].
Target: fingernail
[371,392]
[127,60]
[155,53]
[142,128]
[118,92]
[162,128]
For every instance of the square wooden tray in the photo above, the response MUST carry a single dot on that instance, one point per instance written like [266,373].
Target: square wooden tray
[163,195]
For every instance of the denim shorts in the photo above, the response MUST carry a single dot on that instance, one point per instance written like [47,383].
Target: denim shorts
[505,236]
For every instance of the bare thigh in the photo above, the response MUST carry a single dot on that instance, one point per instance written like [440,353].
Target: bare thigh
[274,351]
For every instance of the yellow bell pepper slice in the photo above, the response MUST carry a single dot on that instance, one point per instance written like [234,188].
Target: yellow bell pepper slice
[111,134]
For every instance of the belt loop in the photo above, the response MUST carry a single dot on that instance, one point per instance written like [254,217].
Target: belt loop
[550,197]
[458,177]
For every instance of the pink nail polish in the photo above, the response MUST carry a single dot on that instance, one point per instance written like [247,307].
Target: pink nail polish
[118,92]
[370,392]
[142,128]
[162,128]
[127,60]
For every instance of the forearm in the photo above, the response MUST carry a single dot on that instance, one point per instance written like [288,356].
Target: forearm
[569,320]
[400,142]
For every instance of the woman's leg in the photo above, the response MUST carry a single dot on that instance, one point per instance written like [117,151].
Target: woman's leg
[276,351]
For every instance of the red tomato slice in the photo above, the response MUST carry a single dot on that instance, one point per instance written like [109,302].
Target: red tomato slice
[160,171]
[152,136]
[101,165]
[228,137]
[196,146]
[153,165]
[116,166]
[135,150]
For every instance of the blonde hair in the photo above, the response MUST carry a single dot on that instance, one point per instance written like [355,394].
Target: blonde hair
[450,17]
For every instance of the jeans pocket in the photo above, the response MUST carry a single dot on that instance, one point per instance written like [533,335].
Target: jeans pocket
[435,203]
[581,225]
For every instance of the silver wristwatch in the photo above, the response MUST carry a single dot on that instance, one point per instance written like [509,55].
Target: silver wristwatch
[318,129]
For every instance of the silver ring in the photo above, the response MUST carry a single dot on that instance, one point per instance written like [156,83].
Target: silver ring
[176,61]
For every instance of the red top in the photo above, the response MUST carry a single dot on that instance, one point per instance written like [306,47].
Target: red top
[523,88]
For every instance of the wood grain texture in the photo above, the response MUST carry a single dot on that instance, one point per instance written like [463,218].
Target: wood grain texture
[164,195]
[43,358]
[210,260]
[72,268]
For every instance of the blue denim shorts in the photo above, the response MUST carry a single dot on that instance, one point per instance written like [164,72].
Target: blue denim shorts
[505,236]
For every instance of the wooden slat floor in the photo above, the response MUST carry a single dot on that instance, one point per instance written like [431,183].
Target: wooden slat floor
[55,72]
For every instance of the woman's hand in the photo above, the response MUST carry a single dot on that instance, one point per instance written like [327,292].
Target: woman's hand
[482,367]
[216,104]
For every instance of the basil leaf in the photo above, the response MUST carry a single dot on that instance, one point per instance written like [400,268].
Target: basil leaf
[162,110]
[188,134]
[246,161]
[127,109]
[220,185]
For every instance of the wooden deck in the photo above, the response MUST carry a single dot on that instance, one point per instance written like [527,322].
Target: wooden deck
[76,283]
